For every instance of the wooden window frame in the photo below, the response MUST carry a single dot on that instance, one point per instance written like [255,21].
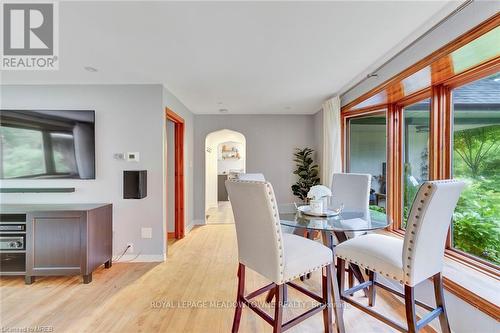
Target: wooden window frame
[346,135]
[440,141]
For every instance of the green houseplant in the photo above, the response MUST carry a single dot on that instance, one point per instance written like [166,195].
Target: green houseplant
[306,171]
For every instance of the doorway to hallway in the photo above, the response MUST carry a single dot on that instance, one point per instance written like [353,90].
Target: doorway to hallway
[225,158]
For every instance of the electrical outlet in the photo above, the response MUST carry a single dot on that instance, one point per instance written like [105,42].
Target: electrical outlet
[130,247]
[146,232]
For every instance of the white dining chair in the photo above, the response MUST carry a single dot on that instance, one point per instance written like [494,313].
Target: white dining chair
[251,176]
[352,191]
[410,261]
[280,258]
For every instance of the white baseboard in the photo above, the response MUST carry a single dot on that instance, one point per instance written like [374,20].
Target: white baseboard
[190,226]
[198,222]
[142,258]
[215,205]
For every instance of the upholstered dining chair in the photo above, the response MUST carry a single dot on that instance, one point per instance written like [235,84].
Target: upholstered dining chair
[410,261]
[352,191]
[252,176]
[280,258]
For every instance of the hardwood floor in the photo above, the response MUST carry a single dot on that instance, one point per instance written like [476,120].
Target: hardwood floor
[223,214]
[193,291]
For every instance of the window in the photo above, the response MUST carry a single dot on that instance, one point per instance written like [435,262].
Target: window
[367,154]
[483,48]
[453,134]
[22,152]
[64,153]
[416,120]
[476,160]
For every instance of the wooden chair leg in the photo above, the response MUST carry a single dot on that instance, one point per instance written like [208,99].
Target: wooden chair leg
[439,294]
[411,317]
[350,279]
[270,296]
[285,294]
[278,309]
[327,298]
[371,291]
[239,298]
[341,274]
[350,275]
[337,300]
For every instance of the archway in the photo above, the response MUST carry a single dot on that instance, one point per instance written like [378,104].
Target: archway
[225,155]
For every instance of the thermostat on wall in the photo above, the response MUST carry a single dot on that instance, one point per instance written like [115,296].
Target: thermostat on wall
[133,157]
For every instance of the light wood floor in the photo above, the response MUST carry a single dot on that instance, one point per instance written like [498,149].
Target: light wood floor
[128,297]
[223,214]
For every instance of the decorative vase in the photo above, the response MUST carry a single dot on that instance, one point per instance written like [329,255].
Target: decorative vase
[316,206]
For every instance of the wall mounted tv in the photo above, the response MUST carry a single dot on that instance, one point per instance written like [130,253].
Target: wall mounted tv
[48,144]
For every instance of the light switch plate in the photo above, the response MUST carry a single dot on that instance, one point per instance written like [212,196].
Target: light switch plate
[119,156]
[133,157]
[147,232]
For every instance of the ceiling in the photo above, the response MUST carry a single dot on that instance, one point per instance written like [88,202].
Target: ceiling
[247,57]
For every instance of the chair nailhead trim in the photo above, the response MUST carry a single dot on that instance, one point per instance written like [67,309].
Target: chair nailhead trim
[372,269]
[411,239]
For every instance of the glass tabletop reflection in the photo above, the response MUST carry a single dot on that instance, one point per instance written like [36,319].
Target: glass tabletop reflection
[345,221]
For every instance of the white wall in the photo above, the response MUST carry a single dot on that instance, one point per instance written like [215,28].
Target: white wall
[318,137]
[270,144]
[128,118]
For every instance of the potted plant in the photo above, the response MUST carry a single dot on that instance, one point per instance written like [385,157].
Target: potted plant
[307,172]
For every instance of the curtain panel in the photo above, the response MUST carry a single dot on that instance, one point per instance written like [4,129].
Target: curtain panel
[332,159]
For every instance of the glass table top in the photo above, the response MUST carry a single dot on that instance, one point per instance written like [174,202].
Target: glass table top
[346,221]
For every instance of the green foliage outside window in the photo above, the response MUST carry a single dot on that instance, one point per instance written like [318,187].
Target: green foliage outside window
[476,160]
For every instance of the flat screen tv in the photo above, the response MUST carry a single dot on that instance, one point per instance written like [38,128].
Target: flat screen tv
[36,144]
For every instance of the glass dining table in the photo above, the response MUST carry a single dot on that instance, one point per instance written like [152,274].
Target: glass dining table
[337,228]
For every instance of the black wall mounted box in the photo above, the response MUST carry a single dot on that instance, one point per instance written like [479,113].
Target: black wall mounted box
[135,184]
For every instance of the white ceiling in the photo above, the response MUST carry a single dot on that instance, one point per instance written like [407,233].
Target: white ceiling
[247,57]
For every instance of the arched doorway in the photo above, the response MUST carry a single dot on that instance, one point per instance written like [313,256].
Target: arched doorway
[225,155]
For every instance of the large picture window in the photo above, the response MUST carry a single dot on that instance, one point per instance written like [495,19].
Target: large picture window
[443,121]
[367,154]
[415,151]
[476,160]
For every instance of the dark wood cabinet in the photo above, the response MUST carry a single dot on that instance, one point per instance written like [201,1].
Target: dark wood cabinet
[66,239]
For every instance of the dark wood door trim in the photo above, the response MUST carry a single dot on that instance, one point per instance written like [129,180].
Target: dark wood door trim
[179,171]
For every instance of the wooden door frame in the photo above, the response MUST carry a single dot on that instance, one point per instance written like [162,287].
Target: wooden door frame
[178,173]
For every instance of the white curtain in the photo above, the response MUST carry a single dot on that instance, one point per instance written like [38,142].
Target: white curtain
[332,159]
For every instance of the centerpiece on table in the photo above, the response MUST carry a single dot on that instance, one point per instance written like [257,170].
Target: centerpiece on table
[316,196]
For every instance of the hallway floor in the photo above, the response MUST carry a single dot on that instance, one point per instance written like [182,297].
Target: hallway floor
[223,214]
